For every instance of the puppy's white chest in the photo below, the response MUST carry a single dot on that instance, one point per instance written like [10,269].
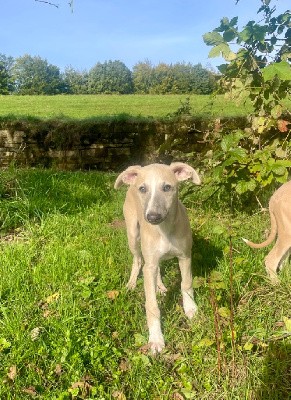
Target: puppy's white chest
[167,248]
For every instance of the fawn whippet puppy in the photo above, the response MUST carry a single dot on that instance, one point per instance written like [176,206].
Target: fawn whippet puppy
[280,214]
[156,218]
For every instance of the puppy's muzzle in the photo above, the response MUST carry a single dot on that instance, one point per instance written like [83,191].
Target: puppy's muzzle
[154,218]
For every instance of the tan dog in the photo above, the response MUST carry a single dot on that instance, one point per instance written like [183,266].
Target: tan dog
[280,214]
[157,219]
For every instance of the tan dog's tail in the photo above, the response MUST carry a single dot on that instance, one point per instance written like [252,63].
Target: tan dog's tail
[270,238]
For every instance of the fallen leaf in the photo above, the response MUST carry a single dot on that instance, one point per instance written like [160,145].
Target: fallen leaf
[287,322]
[31,391]
[79,384]
[282,125]
[34,333]
[118,395]
[47,313]
[205,342]
[58,370]
[12,373]
[123,366]
[52,298]
[248,346]
[224,312]
[112,294]
[177,396]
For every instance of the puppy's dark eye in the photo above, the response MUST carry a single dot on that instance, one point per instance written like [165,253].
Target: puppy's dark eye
[167,188]
[142,189]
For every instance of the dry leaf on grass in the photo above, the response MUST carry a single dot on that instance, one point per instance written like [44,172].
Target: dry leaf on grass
[30,390]
[34,333]
[118,395]
[58,370]
[112,294]
[52,298]
[12,373]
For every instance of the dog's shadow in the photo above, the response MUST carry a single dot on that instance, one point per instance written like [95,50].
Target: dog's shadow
[276,376]
[204,260]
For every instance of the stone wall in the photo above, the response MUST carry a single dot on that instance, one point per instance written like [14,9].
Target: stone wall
[107,145]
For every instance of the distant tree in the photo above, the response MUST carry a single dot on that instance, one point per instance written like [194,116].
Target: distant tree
[110,77]
[142,75]
[75,82]
[33,75]
[179,78]
[163,79]
[6,85]
[203,81]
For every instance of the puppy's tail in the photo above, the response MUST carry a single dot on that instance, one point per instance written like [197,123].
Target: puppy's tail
[270,238]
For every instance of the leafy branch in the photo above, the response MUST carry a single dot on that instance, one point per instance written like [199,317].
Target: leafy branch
[257,68]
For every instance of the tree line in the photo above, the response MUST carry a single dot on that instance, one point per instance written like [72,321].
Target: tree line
[28,75]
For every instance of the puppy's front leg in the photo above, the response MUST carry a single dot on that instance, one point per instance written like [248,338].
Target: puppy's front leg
[156,339]
[189,304]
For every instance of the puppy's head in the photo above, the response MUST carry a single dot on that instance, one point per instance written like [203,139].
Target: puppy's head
[156,186]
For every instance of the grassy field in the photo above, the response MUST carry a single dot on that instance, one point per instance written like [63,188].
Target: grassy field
[70,330]
[88,106]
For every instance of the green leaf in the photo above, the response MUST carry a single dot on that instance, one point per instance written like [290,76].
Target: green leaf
[198,281]
[248,346]
[212,38]
[245,186]
[205,342]
[281,69]
[216,276]
[278,169]
[139,340]
[276,111]
[224,312]
[217,285]
[229,35]
[4,344]
[231,140]
[218,230]
[287,322]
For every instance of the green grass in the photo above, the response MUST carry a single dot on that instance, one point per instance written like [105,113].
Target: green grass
[70,330]
[87,106]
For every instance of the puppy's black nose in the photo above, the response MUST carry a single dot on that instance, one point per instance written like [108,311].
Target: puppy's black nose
[154,218]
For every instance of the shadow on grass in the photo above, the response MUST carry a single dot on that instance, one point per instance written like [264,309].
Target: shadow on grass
[31,194]
[204,260]
[276,377]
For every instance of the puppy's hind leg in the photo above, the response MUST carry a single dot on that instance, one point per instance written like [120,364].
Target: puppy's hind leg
[275,258]
[161,288]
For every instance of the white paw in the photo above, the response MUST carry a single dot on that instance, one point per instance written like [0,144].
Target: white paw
[190,307]
[156,342]
[190,313]
[161,288]
[273,278]
[156,347]
[131,284]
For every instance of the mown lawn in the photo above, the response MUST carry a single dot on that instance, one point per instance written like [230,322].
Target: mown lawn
[69,329]
[87,106]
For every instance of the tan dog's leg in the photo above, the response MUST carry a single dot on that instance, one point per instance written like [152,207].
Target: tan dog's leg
[190,307]
[276,256]
[161,288]
[133,238]
[281,249]
[156,339]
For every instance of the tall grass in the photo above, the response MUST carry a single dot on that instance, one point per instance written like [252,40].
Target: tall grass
[70,330]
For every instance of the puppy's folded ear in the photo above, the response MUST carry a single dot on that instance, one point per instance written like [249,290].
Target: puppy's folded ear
[184,171]
[128,176]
